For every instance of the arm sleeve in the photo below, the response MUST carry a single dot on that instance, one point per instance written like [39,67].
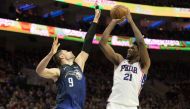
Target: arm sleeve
[89,37]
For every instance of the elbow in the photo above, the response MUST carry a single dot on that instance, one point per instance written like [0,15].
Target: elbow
[140,42]
[38,71]
[103,40]
[148,63]
[102,44]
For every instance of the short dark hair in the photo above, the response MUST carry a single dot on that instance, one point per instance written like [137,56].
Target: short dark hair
[56,58]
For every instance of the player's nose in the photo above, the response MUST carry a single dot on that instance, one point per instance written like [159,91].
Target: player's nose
[130,49]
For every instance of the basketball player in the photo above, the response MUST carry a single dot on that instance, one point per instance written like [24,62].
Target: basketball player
[69,77]
[130,71]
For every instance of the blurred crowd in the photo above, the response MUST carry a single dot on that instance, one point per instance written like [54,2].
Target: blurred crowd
[15,93]
[175,76]
[28,97]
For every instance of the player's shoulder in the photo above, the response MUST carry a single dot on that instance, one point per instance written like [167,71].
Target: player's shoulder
[76,66]
[124,61]
[51,73]
[55,70]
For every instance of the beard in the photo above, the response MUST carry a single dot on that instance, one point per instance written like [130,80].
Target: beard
[131,56]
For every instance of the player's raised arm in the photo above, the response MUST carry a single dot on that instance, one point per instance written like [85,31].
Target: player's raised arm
[87,46]
[52,73]
[108,51]
[145,59]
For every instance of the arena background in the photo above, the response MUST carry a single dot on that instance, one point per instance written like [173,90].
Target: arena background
[168,83]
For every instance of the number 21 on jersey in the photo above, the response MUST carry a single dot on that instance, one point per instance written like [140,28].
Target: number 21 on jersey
[128,77]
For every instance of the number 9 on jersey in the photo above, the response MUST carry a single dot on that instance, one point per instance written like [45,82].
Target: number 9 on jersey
[70,80]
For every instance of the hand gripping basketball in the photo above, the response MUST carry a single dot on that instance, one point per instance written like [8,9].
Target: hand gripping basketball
[119,20]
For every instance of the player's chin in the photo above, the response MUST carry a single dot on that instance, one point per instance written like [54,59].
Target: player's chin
[72,57]
[129,55]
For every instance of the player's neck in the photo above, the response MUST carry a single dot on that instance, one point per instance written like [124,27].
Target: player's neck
[69,62]
[131,61]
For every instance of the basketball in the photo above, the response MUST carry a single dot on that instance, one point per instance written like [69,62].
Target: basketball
[118,11]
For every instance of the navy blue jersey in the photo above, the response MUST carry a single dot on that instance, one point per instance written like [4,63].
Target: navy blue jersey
[71,88]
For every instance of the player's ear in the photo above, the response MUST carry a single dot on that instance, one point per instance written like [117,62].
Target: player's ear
[62,56]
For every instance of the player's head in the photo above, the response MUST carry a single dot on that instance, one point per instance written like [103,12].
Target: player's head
[133,52]
[63,56]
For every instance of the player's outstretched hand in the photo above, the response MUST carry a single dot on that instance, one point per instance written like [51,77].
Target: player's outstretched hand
[55,46]
[97,14]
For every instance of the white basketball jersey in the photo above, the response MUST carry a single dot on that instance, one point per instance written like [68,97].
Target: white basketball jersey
[127,84]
